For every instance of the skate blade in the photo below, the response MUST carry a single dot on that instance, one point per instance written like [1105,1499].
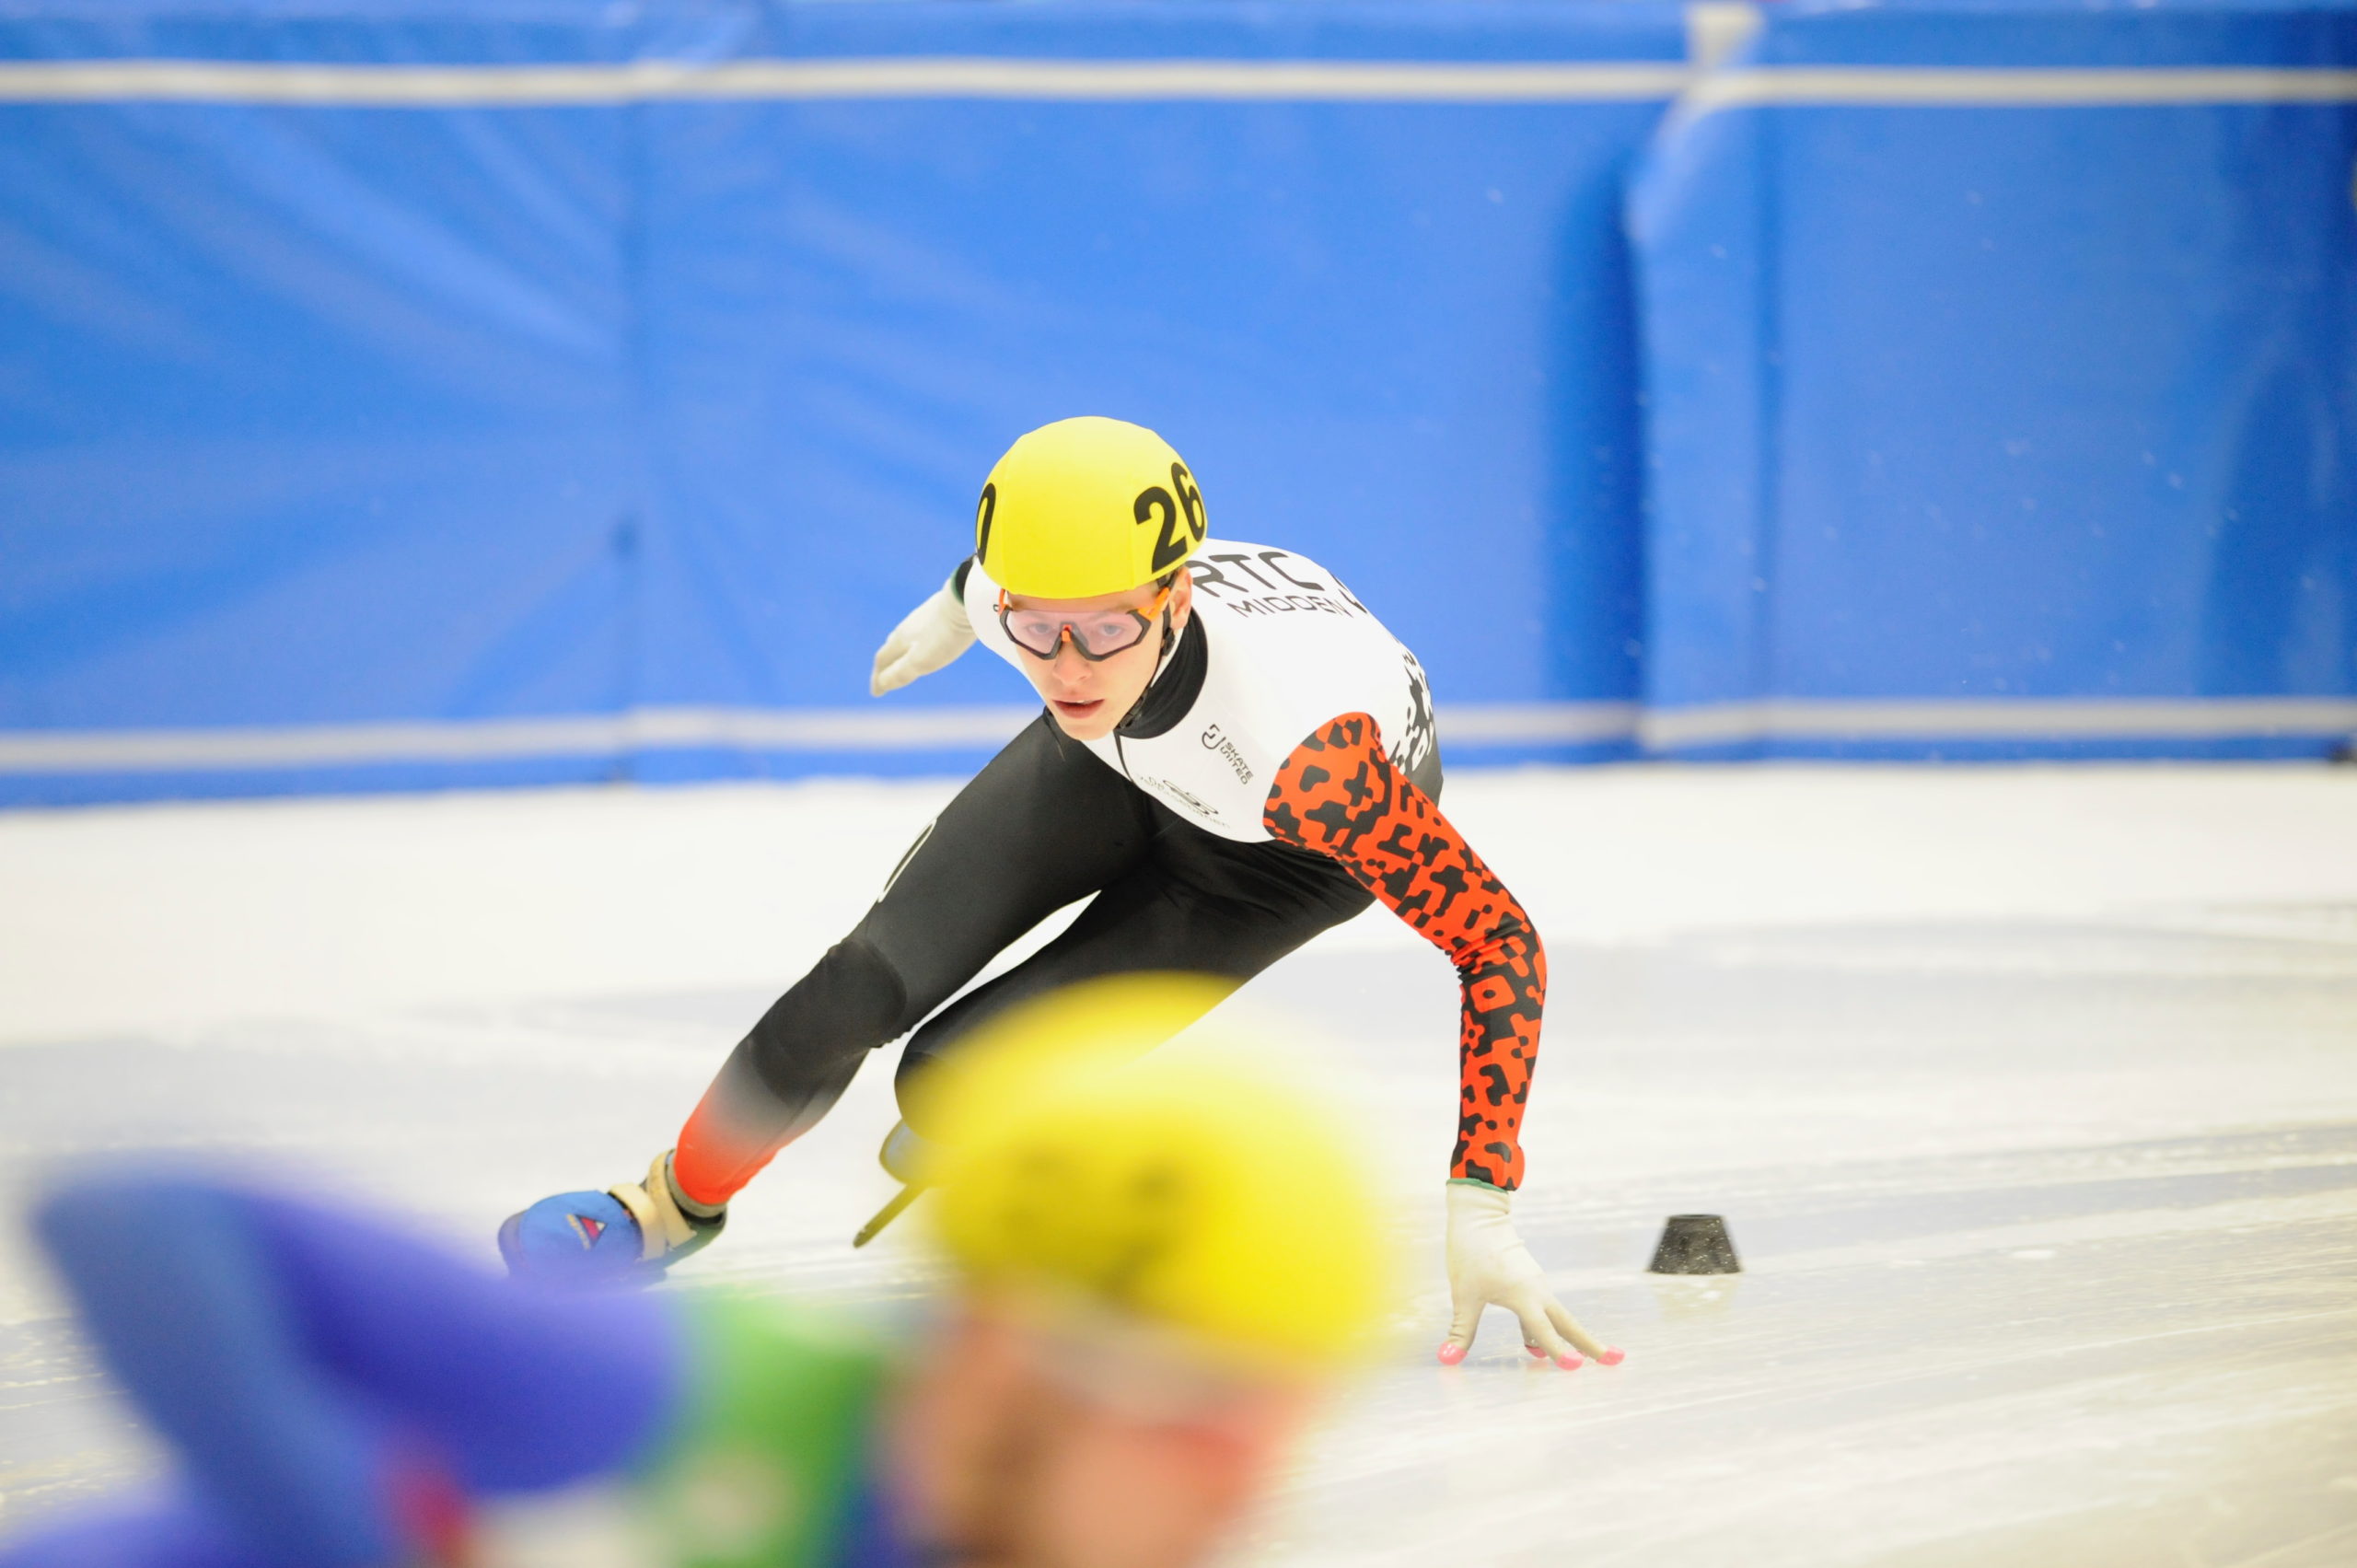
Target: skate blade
[887,1214]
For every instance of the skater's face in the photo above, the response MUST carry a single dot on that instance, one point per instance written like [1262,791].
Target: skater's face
[1088,696]
[1010,1456]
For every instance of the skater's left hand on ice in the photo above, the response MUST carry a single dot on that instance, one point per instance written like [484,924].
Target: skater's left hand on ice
[928,638]
[1487,1264]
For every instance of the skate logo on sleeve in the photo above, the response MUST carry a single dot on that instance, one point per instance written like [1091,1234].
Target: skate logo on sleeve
[1215,740]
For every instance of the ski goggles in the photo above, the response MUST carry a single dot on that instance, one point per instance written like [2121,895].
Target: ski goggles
[1095,634]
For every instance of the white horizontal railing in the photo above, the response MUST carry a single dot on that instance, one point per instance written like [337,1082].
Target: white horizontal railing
[857,730]
[2056,718]
[1406,81]
[525,87]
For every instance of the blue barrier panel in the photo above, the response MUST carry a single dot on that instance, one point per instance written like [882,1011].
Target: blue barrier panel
[395,399]
[2003,377]
[314,416]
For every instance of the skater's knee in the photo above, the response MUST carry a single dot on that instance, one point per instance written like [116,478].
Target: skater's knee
[913,1063]
[851,1002]
[940,1037]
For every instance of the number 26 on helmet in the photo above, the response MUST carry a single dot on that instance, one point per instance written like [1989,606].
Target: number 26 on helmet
[1082,507]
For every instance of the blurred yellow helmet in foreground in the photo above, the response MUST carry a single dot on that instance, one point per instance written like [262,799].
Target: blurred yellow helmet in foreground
[1086,506]
[1195,1190]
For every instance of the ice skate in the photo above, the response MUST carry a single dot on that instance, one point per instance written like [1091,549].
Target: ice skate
[901,1157]
[628,1233]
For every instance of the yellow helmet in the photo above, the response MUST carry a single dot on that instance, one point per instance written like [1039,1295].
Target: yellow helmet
[1086,506]
[1194,1191]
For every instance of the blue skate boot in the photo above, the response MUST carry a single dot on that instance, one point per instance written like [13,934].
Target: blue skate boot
[626,1235]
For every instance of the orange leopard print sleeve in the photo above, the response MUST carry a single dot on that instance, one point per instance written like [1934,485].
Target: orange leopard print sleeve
[1338,795]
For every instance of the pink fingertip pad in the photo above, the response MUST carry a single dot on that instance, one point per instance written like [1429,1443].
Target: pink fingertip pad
[1611,1356]
[1535,1350]
[1451,1354]
[1571,1361]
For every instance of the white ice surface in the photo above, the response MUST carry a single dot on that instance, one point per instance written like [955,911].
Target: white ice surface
[2030,1096]
[169,917]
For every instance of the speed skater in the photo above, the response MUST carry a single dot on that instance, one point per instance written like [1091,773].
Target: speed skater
[1236,755]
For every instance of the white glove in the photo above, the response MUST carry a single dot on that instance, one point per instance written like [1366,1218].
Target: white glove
[931,636]
[1487,1264]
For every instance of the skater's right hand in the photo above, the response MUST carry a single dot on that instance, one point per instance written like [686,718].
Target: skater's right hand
[1487,1263]
[931,636]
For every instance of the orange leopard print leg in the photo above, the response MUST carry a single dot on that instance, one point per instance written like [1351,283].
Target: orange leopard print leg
[1338,793]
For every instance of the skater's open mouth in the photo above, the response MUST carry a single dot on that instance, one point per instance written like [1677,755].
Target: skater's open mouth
[1077,710]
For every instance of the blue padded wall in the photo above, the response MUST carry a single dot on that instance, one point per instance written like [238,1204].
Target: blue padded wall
[367,446]
[2005,425]
[397,393]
